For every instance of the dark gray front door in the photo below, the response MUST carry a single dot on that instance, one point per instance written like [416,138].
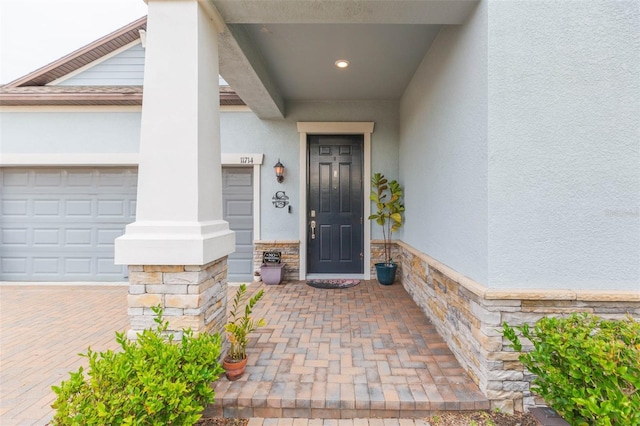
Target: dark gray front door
[335,204]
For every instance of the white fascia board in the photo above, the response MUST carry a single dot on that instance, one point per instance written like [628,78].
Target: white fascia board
[109,159]
[71,108]
[335,127]
[94,63]
[235,108]
[99,108]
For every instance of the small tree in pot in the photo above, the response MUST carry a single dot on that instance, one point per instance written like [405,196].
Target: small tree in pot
[388,199]
[238,328]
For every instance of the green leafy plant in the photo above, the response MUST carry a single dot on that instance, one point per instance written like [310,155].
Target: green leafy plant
[152,381]
[587,368]
[388,199]
[241,324]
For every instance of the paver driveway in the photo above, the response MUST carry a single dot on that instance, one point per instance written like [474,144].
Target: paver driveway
[42,330]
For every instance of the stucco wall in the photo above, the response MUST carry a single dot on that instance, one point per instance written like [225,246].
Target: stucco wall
[564,150]
[69,132]
[443,149]
[243,132]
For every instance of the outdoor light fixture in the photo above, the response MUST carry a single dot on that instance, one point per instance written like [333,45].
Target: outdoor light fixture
[279,168]
[342,63]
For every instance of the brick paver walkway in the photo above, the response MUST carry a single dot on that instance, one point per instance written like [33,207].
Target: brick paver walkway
[365,351]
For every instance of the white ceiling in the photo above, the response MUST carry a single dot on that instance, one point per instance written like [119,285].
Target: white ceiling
[301,58]
[274,51]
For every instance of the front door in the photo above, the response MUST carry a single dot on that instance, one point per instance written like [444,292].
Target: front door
[335,204]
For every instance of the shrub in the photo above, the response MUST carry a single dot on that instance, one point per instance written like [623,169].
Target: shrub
[152,381]
[241,323]
[587,368]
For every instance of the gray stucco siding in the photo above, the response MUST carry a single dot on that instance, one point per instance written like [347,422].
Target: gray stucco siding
[69,132]
[243,132]
[519,146]
[564,156]
[443,150]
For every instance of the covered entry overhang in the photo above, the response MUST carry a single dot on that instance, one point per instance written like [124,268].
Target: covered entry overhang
[274,54]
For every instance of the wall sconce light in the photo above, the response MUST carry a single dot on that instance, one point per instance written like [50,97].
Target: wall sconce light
[279,168]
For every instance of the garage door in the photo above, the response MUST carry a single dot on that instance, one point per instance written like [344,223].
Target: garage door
[237,194]
[59,224]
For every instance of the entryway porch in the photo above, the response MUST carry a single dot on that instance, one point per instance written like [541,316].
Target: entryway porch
[364,351]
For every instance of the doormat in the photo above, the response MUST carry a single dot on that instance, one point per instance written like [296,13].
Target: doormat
[333,283]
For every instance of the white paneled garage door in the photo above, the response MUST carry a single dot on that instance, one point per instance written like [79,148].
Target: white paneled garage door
[59,224]
[237,194]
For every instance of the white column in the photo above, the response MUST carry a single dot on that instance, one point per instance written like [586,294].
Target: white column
[179,206]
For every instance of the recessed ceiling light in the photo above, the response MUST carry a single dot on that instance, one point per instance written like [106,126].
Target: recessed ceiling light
[342,63]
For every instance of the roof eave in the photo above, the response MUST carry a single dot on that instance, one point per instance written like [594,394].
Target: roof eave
[74,60]
[31,99]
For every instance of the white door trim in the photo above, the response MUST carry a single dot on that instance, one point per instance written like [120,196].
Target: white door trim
[248,160]
[334,128]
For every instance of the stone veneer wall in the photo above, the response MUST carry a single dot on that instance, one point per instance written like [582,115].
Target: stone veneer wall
[469,315]
[290,250]
[191,296]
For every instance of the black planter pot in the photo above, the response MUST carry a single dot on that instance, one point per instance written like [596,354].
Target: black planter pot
[386,273]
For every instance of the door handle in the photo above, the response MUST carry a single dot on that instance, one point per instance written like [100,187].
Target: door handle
[313,229]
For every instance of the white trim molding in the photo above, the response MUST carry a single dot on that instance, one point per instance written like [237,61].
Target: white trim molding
[306,128]
[335,127]
[99,108]
[71,108]
[234,108]
[108,159]
[242,159]
[255,161]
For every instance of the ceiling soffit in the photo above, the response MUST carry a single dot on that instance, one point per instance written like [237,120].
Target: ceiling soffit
[278,50]
[300,58]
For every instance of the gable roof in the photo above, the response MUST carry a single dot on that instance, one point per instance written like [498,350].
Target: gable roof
[83,56]
[31,89]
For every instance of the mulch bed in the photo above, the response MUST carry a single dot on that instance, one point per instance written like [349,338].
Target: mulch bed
[482,418]
[221,421]
[475,418]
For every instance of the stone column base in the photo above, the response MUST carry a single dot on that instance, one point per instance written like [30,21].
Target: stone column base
[190,295]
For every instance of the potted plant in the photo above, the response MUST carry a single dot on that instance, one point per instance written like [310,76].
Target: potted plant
[238,328]
[388,199]
[272,273]
[272,268]
[256,276]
